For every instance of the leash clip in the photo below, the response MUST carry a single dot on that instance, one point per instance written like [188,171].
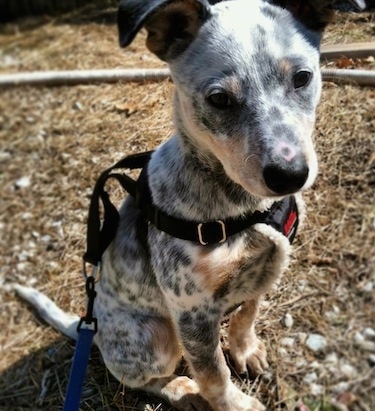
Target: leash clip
[90,321]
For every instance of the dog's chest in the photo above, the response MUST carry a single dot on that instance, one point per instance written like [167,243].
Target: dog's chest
[233,271]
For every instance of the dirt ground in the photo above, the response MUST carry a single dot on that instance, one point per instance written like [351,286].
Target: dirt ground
[54,142]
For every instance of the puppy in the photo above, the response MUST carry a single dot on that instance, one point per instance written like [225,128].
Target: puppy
[247,83]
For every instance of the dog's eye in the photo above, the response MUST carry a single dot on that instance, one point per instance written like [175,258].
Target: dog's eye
[301,78]
[219,99]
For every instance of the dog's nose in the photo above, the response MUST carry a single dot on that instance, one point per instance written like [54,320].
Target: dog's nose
[285,180]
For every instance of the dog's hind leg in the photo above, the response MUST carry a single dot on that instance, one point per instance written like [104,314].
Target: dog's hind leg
[246,349]
[142,351]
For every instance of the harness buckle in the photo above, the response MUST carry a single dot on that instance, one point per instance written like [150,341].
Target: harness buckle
[221,226]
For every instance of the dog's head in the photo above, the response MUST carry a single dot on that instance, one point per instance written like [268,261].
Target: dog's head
[247,81]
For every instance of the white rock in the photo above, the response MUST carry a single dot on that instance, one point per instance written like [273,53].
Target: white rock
[287,342]
[46,238]
[21,266]
[287,321]
[30,119]
[358,337]
[369,333]
[315,342]
[23,256]
[23,182]
[315,365]
[302,284]
[282,352]
[336,309]
[331,358]
[348,371]
[368,287]
[4,156]
[341,387]
[300,363]
[310,377]
[302,337]
[35,234]
[77,106]
[316,389]
[366,345]
[371,359]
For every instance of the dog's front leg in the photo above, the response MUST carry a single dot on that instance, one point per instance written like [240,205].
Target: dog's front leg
[247,351]
[199,329]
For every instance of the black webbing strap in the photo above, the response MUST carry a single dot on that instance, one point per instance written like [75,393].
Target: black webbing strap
[283,216]
[99,236]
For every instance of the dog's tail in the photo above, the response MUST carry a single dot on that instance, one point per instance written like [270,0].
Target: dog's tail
[49,311]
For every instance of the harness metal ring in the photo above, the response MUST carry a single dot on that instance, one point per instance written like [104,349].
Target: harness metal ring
[95,271]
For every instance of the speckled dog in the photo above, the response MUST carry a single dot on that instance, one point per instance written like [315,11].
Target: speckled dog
[247,82]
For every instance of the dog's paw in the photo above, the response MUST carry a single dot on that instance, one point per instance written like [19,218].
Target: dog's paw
[236,400]
[249,357]
[183,394]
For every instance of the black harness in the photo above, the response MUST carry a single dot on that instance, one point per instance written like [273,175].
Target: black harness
[283,215]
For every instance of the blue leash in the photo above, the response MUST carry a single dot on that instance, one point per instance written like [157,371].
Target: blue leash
[82,351]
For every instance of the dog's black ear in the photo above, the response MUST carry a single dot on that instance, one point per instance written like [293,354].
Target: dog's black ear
[313,14]
[171,24]
[360,4]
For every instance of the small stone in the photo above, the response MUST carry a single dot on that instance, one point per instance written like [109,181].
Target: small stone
[331,358]
[341,387]
[77,106]
[282,352]
[315,365]
[368,287]
[23,182]
[23,256]
[348,371]
[5,156]
[366,345]
[358,337]
[336,309]
[369,333]
[310,377]
[316,389]
[301,337]
[287,321]
[371,360]
[46,238]
[315,342]
[30,120]
[21,266]
[300,363]
[287,342]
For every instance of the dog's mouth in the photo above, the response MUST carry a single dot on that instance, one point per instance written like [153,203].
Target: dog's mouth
[273,180]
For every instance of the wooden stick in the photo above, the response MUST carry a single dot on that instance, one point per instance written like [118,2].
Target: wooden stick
[73,77]
[350,50]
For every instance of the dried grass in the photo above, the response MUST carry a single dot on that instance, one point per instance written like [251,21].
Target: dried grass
[62,138]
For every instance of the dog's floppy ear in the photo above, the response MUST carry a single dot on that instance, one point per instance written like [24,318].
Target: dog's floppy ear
[313,14]
[171,24]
